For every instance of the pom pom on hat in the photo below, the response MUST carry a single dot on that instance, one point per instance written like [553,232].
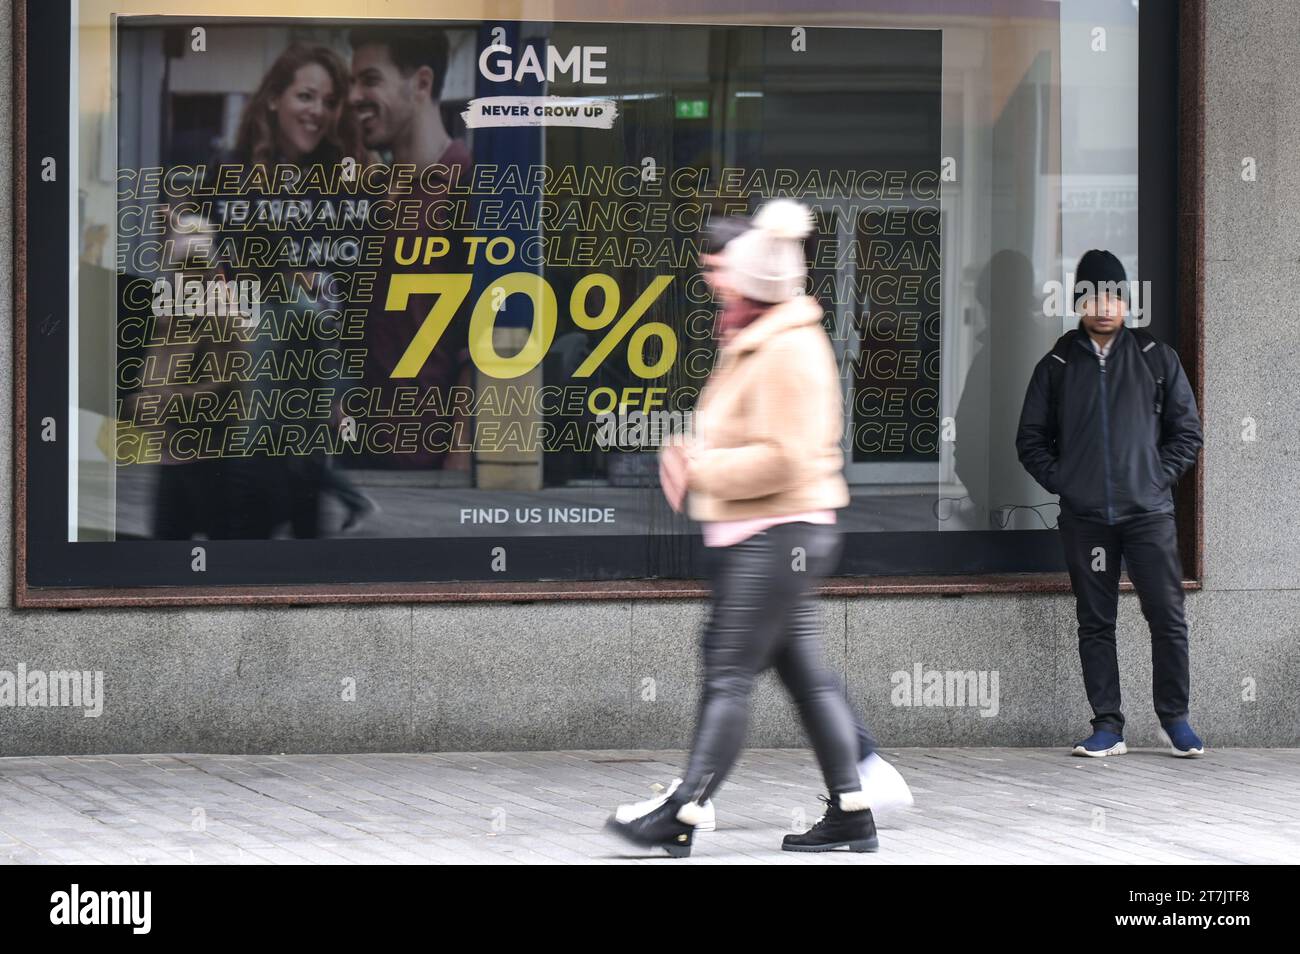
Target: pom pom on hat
[785,218]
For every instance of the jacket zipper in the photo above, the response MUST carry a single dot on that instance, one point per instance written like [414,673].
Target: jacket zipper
[1105,439]
[1105,424]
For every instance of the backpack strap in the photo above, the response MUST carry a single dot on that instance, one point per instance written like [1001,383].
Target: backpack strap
[1148,346]
[1056,362]
[1060,350]
[1057,358]
[1152,356]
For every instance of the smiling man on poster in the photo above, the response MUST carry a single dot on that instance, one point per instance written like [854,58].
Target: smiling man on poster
[397,81]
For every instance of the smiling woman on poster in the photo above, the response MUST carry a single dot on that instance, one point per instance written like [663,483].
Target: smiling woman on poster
[298,117]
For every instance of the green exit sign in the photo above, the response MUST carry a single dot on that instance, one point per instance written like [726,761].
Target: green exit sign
[692,109]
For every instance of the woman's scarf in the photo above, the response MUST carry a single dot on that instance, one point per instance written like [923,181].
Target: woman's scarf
[736,315]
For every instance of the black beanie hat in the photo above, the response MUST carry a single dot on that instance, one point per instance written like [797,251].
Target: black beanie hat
[1096,268]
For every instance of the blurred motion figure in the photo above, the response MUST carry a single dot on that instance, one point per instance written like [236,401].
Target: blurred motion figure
[764,474]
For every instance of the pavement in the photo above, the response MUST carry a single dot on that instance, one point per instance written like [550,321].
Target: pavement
[991,805]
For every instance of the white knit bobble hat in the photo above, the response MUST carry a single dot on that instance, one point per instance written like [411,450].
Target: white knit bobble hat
[767,262]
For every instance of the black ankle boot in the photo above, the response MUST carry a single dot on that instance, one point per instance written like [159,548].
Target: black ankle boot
[855,830]
[658,829]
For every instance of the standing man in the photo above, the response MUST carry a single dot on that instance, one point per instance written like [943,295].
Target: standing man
[396,96]
[1110,424]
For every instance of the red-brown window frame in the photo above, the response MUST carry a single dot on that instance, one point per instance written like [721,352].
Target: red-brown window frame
[1190,281]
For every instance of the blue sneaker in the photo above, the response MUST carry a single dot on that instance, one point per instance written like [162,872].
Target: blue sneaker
[1101,743]
[1182,741]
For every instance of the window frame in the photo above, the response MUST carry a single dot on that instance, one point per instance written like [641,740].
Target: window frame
[1182,199]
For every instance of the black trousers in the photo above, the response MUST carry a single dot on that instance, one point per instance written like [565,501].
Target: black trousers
[765,613]
[1149,547]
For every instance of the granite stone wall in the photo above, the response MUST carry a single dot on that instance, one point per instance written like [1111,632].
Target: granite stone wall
[611,674]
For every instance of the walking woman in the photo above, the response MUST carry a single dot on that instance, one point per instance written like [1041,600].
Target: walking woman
[764,476]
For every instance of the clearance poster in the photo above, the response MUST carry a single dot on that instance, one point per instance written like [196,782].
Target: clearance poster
[442,279]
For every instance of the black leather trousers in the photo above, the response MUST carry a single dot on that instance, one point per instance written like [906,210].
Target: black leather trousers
[764,614]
